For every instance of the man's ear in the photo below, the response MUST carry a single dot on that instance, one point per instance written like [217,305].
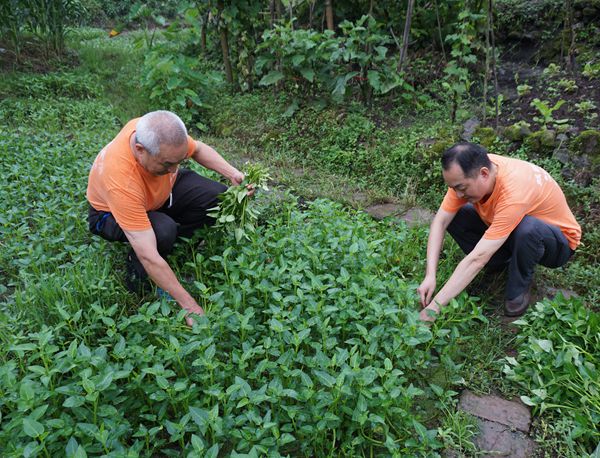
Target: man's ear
[484,172]
[138,150]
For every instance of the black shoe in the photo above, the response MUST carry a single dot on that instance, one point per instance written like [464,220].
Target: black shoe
[518,305]
[136,282]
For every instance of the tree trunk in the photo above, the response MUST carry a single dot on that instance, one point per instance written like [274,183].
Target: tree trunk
[406,36]
[494,64]
[486,74]
[203,32]
[225,50]
[439,24]
[224,39]
[272,13]
[278,9]
[329,14]
[568,42]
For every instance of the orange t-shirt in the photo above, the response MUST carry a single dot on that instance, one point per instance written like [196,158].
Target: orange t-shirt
[521,189]
[120,185]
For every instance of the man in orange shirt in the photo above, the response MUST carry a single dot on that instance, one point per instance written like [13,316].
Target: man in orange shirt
[139,194]
[502,212]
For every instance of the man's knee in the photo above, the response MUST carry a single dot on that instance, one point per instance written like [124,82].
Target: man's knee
[165,231]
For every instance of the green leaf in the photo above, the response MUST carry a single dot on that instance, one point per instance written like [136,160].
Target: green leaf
[271,78]
[308,73]
[32,428]
[527,400]
[74,401]
[325,378]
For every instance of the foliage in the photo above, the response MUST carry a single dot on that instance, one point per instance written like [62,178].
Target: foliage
[545,110]
[558,365]
[591,70]
[523,89]
[180,84]
[465,48]
[312,345]
[234,212]
[46,19]
[308,59]
[300,57]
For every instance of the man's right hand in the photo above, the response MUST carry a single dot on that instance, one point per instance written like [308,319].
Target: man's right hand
[426,290]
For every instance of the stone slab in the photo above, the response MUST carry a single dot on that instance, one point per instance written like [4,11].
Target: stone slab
[417,216]
[508,413]
[380,211]
[496,440]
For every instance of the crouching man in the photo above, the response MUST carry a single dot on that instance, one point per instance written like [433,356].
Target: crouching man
[139,194]
[503,213]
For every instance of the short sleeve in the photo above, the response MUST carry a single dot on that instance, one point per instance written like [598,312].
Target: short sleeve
[191,146]
[452,203]
[128,210]
[506,218]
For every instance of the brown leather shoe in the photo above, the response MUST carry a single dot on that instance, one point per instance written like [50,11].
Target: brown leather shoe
[518,305]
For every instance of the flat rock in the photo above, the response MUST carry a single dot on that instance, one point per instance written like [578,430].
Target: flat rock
[469,128]
[551,293]
[496,439]
[417,216]
[381,211]
[511,414]
[413,216]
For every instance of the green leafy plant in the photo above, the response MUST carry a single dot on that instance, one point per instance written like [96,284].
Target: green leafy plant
[523,89]
[567,85]
[546,111]
[234,212]
[588,109]
[591,70]
[464,56]
[179,83]
[552,70]
[558,365]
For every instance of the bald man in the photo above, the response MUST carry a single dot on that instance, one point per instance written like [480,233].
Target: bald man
[139,194]
[503,213]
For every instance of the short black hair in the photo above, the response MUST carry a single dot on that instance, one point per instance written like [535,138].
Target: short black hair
[469,156]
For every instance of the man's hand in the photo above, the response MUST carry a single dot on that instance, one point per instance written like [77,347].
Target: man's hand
[144,245]
[429,313]
[237,178]
[426,290]
[193,310]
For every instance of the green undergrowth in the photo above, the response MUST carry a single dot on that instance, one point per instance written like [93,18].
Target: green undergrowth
[383,152]
[559,368]
[311,345]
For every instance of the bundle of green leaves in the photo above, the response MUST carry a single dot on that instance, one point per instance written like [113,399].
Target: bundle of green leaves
[234,214]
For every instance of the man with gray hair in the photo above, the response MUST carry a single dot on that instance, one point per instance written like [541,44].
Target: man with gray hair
[139,194]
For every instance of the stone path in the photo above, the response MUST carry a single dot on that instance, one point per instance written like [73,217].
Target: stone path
[412,216]
[503,425]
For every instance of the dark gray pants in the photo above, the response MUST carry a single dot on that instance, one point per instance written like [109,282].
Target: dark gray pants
[185,212]
[532,242]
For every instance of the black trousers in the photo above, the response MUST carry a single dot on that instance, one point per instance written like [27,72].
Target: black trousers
[532,242]
[181,215]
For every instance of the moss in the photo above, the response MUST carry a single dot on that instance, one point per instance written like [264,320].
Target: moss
[517,132]
[486,136]
[588,143]
[541,142]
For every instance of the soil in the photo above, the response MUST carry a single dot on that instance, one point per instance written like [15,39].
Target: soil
[519,66]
